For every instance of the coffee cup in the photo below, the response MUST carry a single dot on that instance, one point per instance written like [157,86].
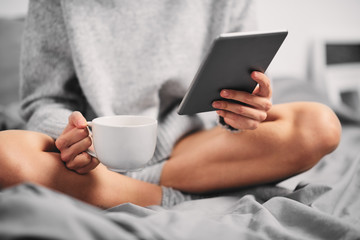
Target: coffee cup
[123,142]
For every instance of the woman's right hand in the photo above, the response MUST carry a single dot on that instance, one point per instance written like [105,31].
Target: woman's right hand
[73,143]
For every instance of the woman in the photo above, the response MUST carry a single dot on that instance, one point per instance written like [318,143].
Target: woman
[83,59]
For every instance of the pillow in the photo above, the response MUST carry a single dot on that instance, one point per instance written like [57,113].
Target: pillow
[291,90]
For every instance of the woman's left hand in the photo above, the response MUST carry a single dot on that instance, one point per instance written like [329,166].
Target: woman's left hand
[258,103]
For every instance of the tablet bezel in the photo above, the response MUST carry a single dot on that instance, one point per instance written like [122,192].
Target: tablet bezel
[252,51]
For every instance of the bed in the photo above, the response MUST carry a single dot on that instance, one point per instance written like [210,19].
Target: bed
[322,203]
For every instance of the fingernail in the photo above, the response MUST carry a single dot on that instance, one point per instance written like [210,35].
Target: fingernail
[79,123]
[256,74]
[216,104]
[225,93]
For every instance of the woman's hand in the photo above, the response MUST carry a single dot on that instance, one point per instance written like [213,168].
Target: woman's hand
[73,143]
[247,116]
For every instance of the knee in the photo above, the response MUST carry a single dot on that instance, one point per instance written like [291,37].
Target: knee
[324,128]
[331,132]
[320,130]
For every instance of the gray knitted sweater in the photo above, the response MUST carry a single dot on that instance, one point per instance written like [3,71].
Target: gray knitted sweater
[119,57]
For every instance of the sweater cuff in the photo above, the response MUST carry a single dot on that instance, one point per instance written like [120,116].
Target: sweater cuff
[49,120]
[226,126]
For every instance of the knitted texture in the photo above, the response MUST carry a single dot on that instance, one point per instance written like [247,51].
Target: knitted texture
[119,57]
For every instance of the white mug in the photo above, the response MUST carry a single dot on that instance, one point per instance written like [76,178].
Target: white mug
[123,142]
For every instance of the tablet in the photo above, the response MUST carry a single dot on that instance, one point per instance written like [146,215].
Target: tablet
[228,65]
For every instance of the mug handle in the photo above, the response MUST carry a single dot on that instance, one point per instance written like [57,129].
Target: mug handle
[89,151]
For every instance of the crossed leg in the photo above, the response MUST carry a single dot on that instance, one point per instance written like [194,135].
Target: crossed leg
[31,156]
[293,138]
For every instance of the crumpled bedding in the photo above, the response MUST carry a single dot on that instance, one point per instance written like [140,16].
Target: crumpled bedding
[313,211]
[323,203]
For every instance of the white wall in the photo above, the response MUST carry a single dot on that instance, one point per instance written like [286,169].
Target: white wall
[13,8]
[306,20]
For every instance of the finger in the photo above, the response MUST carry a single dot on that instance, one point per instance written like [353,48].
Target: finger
[71,137]
[242,110]
[69,154]
[81,160]
[247,98]
[238,121]
[93,164]
[264,87]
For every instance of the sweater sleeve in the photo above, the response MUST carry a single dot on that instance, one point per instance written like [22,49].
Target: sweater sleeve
[49,87]
[243,16]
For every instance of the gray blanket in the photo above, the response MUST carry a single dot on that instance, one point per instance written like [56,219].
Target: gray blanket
[314,211]
[325,204]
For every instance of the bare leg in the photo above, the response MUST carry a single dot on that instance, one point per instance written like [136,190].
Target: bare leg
[293,139]
[30,156]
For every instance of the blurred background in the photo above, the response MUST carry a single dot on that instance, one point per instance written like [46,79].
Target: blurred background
[12,15]
[323,47]
[308,22]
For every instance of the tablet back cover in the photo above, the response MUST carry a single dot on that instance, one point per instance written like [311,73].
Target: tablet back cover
[228,65]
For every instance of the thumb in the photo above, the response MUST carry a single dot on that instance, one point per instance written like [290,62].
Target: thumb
[263,89]
[77,120]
